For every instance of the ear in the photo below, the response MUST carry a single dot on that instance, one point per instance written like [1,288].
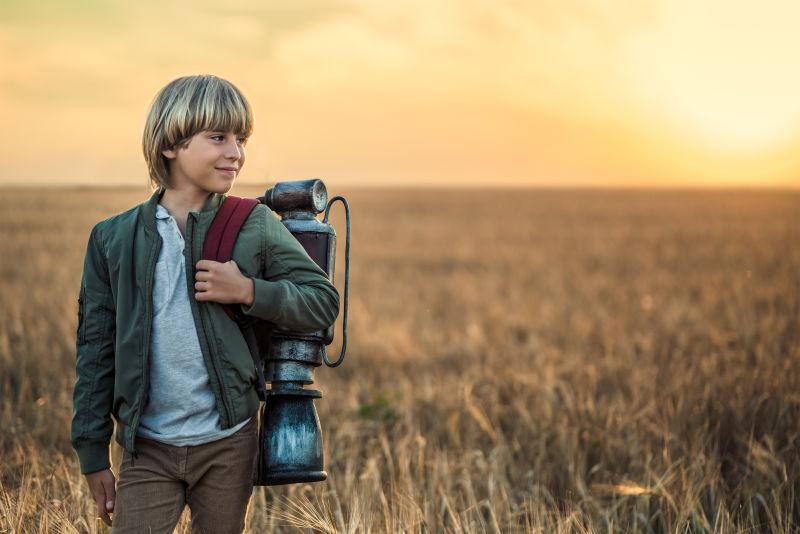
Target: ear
[169,154]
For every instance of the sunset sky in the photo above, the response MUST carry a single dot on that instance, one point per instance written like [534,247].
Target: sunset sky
[451,92]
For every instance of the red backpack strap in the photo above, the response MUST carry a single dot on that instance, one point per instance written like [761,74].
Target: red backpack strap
[221,236]
[218,246]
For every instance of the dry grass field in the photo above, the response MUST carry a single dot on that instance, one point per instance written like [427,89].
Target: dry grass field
[519,361]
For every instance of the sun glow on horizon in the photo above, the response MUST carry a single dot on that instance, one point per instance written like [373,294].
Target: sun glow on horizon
[569,93]
[734,84]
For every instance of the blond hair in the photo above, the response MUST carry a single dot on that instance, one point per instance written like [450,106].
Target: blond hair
[185,107]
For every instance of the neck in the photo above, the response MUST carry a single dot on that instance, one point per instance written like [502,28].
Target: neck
[184,200]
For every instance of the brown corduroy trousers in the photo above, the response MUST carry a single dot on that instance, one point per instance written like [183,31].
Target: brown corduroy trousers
[215,479]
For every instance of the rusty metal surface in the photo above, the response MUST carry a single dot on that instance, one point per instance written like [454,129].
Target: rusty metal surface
[305,351]
[297,196]
[290,438]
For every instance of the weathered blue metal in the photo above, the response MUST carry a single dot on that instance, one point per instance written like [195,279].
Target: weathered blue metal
[291,449]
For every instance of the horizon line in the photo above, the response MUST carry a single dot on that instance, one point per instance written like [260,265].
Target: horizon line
[451,187]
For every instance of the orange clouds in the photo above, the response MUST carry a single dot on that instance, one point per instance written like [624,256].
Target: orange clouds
[546,93]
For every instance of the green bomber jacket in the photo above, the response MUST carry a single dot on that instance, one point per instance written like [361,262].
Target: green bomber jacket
[115,318]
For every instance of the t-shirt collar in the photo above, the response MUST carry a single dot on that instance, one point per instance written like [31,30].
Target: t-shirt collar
[161,212]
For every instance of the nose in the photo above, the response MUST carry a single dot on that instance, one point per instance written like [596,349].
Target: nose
[233,150]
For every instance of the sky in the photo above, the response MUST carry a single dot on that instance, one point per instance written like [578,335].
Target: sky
[437,92]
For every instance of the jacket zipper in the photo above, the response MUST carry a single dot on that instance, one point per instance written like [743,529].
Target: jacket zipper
[213,355]
[81,303]
[148,323]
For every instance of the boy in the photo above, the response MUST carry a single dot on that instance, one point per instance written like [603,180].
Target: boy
[155,348]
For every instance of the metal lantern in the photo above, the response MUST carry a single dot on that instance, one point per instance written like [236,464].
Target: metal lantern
[291,439]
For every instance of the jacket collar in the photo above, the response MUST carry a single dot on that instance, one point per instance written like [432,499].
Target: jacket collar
[210,206]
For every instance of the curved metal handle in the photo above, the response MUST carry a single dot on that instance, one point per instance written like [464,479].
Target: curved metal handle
[346,280]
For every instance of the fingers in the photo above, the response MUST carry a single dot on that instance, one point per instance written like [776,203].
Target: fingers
[208,265]
[111,493]
[205,265]
[208,275]
[101,501]
[203,280]
[214,271]
[202,286]
[102,514]
[218,282]
[101,486]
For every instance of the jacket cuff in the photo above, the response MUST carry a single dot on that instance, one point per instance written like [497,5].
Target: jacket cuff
[268,300]
[93,456]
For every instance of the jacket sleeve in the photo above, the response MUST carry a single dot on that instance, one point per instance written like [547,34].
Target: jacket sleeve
[92,426]
[293,293]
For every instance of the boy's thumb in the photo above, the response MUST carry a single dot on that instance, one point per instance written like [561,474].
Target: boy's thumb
[111,494]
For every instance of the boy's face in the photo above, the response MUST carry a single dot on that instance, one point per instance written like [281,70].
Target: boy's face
[210,162]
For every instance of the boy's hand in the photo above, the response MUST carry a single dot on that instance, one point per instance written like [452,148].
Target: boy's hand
[101,484]
[223,283]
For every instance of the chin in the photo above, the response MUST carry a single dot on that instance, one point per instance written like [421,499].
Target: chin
[222,188]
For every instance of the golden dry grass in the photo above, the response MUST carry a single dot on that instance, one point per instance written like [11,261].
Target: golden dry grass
[540,361]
